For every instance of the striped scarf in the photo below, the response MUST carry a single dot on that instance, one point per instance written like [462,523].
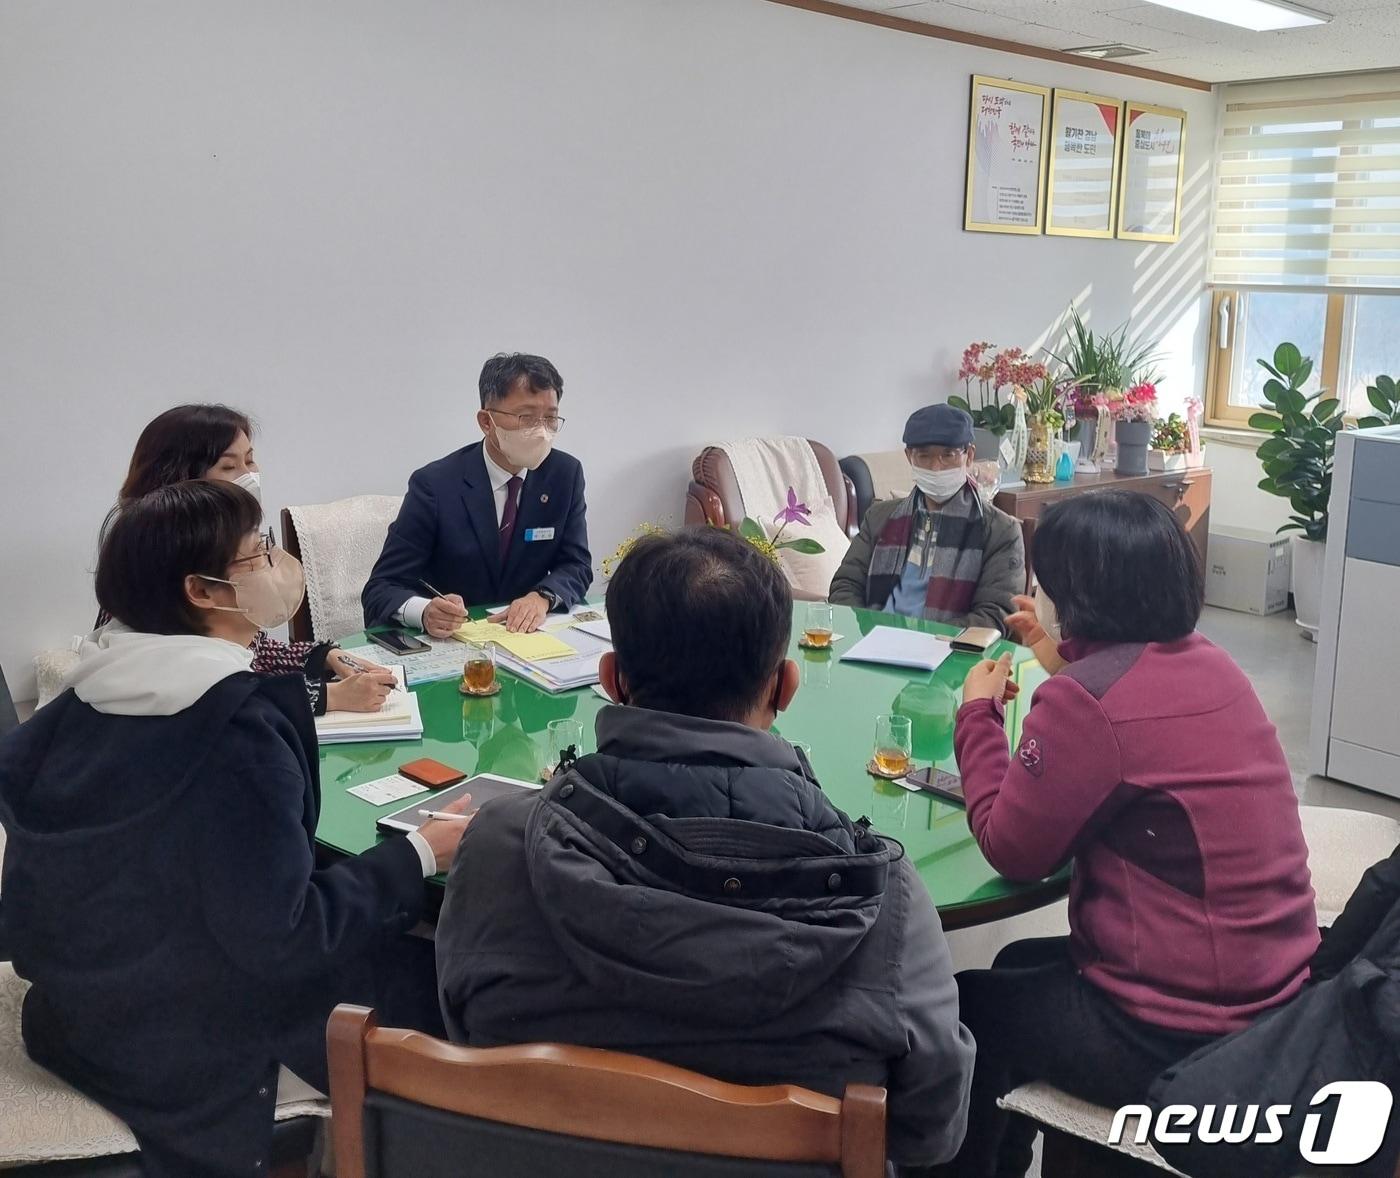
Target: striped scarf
[955,563]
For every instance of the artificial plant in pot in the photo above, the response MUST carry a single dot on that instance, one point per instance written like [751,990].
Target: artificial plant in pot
[1297,457]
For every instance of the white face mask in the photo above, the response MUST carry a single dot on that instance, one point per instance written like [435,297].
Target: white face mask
[250,481]
[1047,615]
[939,485]
[524,447]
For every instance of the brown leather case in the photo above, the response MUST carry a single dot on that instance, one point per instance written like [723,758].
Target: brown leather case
[433,774]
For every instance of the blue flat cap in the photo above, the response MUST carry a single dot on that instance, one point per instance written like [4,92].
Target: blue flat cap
[938,425]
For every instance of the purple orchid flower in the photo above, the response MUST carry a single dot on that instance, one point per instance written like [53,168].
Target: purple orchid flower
[794,512]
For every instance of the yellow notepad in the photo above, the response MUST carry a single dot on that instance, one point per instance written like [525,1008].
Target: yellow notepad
[534,648]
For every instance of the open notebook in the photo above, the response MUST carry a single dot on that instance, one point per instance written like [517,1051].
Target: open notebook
[398,719]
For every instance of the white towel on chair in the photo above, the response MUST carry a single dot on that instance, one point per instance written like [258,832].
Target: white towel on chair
[340,542]
[766,467]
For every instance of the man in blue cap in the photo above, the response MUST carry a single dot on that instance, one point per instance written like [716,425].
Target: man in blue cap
[940,553]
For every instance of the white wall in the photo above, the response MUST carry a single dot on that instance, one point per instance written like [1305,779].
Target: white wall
[717,217]
[1236,499]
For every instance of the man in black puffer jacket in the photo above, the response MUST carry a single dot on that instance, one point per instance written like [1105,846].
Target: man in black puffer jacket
[689,893]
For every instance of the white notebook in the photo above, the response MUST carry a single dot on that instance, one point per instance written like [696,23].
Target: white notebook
[899,648]
[396,709]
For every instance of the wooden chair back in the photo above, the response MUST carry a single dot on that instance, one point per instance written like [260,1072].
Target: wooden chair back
[593,1096]
[299,628]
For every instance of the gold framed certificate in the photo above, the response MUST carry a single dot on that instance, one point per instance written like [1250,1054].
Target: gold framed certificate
[1082,190]
[1153,170]
[1006,157]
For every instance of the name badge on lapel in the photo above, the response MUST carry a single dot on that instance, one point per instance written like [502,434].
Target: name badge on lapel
[532,534]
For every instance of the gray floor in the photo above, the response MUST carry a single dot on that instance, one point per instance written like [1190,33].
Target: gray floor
[1279,662]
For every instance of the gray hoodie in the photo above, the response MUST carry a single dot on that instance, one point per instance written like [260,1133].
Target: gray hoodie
[689,893]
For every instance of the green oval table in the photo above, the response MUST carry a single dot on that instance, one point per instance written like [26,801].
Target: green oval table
[833,715]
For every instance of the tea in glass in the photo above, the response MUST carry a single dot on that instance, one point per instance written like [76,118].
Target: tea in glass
[479,673]
[894,743]
[818,629]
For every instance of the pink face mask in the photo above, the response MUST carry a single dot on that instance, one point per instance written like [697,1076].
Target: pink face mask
[269,595]
[525,448]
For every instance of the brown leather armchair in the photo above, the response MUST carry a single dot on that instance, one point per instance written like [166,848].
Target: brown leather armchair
[713,495]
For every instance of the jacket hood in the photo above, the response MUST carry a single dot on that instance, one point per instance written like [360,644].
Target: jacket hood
[126,673]
[695,863]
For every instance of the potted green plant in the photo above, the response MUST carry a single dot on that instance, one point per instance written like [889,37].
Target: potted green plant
[1297,457]
[1111,372]
[1384,396]
[1171,444]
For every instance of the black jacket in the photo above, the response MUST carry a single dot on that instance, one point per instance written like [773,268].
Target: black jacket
[689,893]
[446,535]
[1344,1027]
[160,895]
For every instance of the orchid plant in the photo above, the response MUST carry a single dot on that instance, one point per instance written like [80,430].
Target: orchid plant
[793,512]
[1050,398]
[994,371]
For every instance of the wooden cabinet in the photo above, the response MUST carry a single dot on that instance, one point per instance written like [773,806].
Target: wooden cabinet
[1186,492]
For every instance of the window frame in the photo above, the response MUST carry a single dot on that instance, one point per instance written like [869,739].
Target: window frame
[1221,366]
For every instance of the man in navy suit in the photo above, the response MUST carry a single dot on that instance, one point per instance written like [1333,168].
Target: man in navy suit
[498,521]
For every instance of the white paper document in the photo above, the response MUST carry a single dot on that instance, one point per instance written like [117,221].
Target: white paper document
[899,648]
[384,790]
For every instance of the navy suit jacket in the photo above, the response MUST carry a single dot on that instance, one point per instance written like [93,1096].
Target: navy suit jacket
[447,534]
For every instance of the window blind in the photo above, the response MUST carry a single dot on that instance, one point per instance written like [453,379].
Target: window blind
[1307,191]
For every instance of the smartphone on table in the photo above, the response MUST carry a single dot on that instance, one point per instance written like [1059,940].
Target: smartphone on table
[399,642]
[945,786]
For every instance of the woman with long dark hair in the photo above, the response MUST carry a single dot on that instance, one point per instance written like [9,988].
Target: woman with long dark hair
[216,442]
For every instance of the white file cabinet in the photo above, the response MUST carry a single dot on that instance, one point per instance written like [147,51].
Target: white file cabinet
[1356,692]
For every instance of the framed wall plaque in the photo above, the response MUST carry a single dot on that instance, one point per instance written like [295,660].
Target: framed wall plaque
[1082,189]
[1153,170]
[1006,157]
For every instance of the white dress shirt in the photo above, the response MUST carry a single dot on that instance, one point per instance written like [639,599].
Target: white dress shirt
[411,612]
[426,859]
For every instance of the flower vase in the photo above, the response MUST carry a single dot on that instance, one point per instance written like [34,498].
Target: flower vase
[1132,438]
[1018,441]
[1040,451]
[1087,431]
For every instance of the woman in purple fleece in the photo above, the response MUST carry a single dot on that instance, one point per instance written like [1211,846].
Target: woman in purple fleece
[1148,760]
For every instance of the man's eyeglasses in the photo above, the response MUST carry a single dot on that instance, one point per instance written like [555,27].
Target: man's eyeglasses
[553,423]
[940,457]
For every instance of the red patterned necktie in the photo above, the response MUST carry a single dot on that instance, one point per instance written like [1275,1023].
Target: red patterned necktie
[512,509]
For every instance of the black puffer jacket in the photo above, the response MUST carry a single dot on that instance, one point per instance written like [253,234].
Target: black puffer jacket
[690,894]
[1345,1026]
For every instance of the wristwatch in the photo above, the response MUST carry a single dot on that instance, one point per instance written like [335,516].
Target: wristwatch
[549,596]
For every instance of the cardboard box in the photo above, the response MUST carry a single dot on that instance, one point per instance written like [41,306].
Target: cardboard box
[1247,570]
